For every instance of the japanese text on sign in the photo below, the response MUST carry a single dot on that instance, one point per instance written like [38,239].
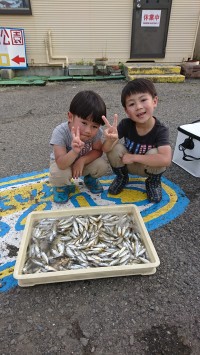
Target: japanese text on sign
[12,48]
[150,18]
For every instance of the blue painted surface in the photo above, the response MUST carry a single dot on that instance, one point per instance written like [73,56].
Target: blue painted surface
[161,213]
[7,282]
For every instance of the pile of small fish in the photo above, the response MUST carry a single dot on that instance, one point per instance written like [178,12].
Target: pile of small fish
[77,242]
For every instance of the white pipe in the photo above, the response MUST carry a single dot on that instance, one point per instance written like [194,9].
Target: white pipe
[47,55]
[51,52]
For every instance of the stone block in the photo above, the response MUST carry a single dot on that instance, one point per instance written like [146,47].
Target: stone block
[7,74]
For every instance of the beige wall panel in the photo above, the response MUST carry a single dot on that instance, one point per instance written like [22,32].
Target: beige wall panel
[197,44]
[80,29]
[182,30]
[87,29]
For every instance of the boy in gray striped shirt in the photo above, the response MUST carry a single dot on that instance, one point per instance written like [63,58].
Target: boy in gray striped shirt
[77,147]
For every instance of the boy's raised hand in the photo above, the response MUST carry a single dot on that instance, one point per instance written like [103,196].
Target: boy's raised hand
[77,143]
[111,132]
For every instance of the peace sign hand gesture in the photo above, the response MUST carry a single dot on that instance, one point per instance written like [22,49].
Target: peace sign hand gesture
[111,132]
[77,143]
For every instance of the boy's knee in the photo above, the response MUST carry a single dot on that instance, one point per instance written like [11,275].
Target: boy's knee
[58,177]
[97,168]
[152,151]
[154,170]
[116,154]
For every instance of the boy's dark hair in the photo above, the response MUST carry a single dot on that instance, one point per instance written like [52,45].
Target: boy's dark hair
[89,106]
[137,86]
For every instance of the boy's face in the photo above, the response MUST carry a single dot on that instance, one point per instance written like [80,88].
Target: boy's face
[140,107]
[88,128]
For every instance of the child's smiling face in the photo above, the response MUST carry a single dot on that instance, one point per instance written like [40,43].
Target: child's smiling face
[88,128]
[140,107]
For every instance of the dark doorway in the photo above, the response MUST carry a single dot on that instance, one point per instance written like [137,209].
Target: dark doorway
[150,28]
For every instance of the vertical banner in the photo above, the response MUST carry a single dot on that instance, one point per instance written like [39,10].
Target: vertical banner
[12,48]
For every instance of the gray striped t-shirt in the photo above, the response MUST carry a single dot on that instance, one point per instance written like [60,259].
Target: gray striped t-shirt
[62,136]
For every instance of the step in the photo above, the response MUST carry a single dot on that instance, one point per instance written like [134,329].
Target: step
[167,78]
[137,69]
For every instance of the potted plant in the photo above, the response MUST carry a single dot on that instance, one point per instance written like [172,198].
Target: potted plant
[101,61]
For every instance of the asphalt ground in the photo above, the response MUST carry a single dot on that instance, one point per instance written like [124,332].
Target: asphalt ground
[140,315]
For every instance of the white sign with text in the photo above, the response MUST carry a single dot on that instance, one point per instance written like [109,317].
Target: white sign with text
[150,18]
[12,48]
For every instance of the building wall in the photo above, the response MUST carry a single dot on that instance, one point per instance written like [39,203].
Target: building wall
[197,45]
[182,29]
[87,29]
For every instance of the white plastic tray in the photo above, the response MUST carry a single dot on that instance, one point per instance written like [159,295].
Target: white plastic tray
[87,273]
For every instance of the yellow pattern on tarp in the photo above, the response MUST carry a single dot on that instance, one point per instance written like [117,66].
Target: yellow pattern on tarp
[24,179]
[6,272]
[82,201]
[9,197]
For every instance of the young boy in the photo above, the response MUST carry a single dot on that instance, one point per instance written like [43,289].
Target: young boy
[77,147]
[146,150]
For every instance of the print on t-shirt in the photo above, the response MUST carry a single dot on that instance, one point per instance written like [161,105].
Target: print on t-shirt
[137,148]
